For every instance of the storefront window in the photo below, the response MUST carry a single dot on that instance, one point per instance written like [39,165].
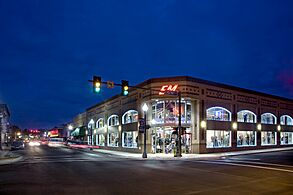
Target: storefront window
[246,116]
[129,139]
[246,138]
[130,116]
[218,139]
[113,139]
[113,120]
[286,138]
[100,123]
[218,114]
[167,111]
[286,120]
[268,118]
[100,139]
[268,138]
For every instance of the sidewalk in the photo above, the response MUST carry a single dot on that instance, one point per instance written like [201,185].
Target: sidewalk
[189,156]
[7,157]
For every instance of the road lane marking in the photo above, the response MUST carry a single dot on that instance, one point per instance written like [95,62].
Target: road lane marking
[260,163]
[246,165]
[235,158]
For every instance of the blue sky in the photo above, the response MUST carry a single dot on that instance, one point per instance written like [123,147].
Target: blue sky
[49,49]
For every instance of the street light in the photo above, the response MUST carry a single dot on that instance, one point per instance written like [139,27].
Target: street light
[70,127]
[91,133]
[145,109]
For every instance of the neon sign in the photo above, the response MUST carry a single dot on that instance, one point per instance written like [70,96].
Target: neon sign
[168,88]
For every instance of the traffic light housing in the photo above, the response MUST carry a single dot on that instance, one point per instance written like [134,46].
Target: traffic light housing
[97,84]
[125,88]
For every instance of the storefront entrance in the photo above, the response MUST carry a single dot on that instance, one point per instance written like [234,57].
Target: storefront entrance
[164,140]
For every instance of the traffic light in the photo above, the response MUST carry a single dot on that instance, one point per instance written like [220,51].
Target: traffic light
[97,83]
[125,88]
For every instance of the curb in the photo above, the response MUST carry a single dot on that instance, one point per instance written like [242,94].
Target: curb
[10,160]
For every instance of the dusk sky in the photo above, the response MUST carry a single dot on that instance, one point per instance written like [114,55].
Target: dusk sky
[49,49]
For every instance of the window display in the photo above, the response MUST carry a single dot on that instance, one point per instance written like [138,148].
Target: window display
[268,138]
[218,114]
[246,138]
[100,123]
[129,139]
[100,139]
[268,118]
[130,116]
[167,111]
[218,139]
[286,120]
[113,120]
[286,138]
[113,139]
[246,116]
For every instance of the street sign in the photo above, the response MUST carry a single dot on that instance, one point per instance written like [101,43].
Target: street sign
[110,84]
[141,122]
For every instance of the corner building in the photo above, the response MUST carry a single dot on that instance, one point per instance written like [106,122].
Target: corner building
[215,118]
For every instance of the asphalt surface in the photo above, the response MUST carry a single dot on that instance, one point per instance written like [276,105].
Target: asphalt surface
[57,170]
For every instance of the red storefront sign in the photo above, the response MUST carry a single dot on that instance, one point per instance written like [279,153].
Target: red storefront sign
[167,89]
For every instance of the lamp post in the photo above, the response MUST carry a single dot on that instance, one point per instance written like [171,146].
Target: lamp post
[145,109]
[70,128]
[91,133]
[178,151]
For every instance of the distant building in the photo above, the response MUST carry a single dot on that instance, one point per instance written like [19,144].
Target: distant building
[79,127]
[215,118]
[4,124]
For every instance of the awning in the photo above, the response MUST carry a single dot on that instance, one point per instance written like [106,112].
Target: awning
[79,131]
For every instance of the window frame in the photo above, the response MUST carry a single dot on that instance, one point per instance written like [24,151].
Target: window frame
[247,111]
[124,115]
[222,108]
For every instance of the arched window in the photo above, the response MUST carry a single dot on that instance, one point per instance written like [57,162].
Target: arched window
[268,118]
[100,123]
[286,120]
[246,116]
[130,116]
[91,124]
[218,114]
[113,120]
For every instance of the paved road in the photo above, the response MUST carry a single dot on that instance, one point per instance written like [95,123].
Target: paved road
[46,170]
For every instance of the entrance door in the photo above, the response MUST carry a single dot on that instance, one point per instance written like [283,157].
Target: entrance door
[163,141]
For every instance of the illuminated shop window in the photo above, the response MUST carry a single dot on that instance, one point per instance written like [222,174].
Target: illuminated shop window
[113,139]
[168,111]
[218,139]
[286,120]
[129,139]
[100,139]
[91,125]
[268,118]
[113,120]
[246,116]
[130,116]
[246,138]
[286,138]
[218,114]
[100,123]
[268,138]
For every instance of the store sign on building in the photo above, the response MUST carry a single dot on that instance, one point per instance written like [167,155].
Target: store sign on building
[168,89]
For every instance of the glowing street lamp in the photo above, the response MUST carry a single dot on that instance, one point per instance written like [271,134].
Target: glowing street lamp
[145,109]
[70,127]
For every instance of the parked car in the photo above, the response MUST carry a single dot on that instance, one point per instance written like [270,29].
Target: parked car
[17,145]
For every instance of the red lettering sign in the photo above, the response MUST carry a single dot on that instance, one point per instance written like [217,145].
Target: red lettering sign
[165,88]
